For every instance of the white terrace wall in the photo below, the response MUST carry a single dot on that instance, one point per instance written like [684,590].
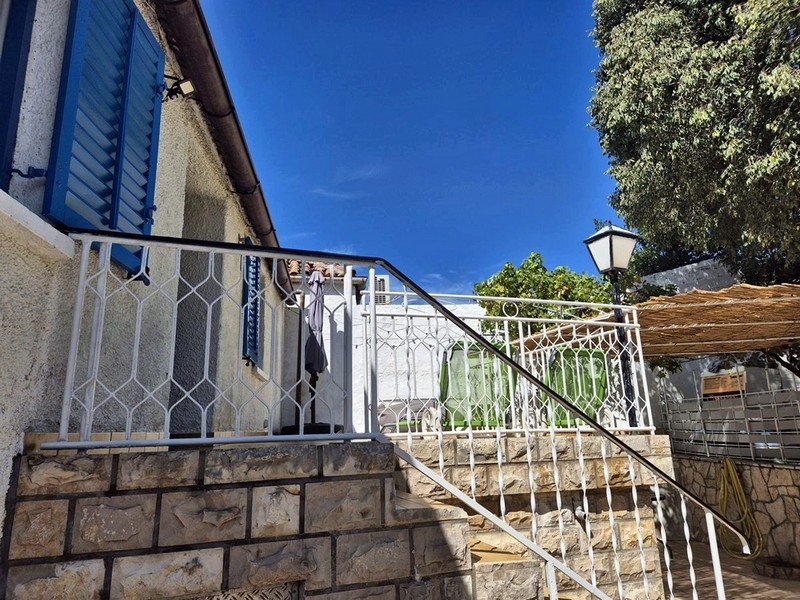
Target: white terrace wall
[40,264]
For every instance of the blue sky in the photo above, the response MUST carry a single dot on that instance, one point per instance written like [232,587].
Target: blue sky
[446,136]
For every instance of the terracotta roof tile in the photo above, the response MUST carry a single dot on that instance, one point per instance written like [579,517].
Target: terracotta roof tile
[296,267]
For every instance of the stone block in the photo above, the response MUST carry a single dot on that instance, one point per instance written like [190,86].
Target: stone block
[513,580]
[118,523]
[500,541]
[459,586]
[601,563]
[517,450]
[419,485]
[442,548]
[569,474]
[484,450]
[373,556]
[368,458]
[57,581]
[590,446]
[601,536]
[405,508]
[169,575]
[629,533]
[39,529]
[515,479]
[64,474]
[619,474]
[348,504]
[665,464]
[550,538]
[383,592]
[260,464]
[201,517]
[427,450]
[543,477]
[640,443]
[552,518]
[630,562]
[562,444]
[422,590]
[660,445]
[276,511]
[157,469]
[257,566]
[461,478]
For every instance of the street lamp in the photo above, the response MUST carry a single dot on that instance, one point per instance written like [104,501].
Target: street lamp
[611,249]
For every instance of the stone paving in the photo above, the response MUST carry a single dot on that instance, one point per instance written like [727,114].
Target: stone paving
[739,579]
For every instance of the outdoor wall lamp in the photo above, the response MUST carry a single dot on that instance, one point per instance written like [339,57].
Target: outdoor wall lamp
[181,87]
[611,249]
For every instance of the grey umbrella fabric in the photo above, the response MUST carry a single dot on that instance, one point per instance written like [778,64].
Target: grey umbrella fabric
[316,361]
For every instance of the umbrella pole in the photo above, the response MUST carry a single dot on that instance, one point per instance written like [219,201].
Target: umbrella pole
[313,385]
[298,393]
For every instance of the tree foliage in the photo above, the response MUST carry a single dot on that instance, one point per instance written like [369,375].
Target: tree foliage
[531,279]
[697,105]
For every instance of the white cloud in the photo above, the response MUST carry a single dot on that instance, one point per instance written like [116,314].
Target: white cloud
[362,173]
[319,191]
[342,249]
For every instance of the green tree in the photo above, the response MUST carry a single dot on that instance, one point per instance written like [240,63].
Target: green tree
[531,279]
[697,105]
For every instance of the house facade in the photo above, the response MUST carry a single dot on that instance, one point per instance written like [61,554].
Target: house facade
[91,141]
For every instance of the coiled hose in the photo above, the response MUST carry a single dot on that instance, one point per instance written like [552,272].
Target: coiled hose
[731,491]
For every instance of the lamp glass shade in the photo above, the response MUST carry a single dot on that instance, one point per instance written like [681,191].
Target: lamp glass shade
[611,248]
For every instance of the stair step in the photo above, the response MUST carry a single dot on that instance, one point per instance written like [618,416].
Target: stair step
[409,508]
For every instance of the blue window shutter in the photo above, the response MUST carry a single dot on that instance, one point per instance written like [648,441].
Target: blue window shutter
[251,301]
[13,63]
[105,141]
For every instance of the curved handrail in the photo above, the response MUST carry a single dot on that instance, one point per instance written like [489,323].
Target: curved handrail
[561,400]
[372,261]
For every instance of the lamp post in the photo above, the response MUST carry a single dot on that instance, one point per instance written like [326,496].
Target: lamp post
[611,249]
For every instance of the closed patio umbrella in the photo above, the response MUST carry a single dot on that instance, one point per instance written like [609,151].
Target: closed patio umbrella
[316,361]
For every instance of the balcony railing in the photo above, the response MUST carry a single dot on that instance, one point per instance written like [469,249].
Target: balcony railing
[538,411]
[439,375]
[761,426]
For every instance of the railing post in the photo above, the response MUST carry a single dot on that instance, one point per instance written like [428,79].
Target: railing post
[712,544]
[347,361]
[552,582]
[96,340]
[373,355]
[72,357]
[644,388]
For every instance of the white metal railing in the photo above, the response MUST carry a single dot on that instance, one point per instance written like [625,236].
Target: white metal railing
[156,360]
[761,426]
[439,374]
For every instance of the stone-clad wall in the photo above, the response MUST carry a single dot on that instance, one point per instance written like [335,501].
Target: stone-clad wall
[198,522]
[580,466]
[772,490]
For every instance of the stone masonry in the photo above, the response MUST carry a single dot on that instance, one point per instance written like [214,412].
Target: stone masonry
[196,523]
[772,490]
[583,475]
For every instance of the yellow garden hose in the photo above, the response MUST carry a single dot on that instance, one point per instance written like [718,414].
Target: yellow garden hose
[730,490]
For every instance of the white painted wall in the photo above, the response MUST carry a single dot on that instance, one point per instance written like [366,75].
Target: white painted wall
[40,268]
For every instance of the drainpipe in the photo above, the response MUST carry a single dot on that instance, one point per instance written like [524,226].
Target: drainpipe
[190,40]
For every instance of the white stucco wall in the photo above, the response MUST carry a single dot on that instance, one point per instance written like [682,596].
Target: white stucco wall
[37,289]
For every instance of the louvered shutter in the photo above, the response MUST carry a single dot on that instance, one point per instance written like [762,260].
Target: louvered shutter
[251,302]
[105,141]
